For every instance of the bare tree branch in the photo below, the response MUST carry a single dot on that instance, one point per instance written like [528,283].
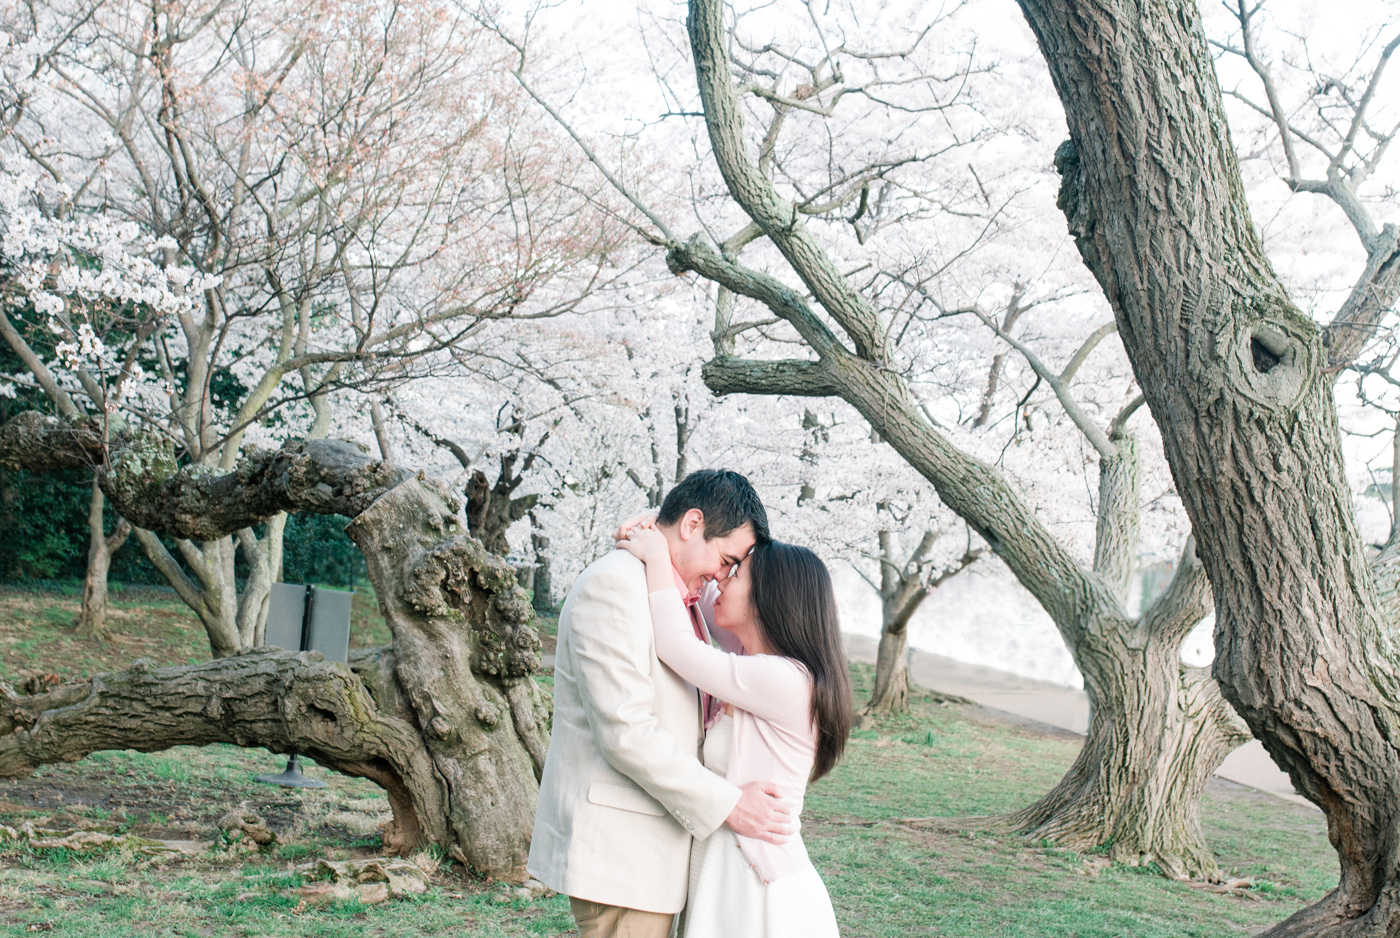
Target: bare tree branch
[743,376]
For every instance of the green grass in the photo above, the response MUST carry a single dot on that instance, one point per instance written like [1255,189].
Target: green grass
[36,632]
[892,880]
[886,878]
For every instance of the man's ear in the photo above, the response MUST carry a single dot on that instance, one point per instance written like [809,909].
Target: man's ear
[692,522]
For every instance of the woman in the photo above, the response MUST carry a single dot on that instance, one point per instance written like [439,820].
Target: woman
[786,719]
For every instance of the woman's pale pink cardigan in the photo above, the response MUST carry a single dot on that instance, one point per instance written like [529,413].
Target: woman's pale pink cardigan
[774,740]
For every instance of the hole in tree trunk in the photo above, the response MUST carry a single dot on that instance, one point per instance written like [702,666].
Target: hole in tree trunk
[1264,360]
[322,714]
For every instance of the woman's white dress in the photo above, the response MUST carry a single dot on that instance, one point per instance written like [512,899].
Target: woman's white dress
[727,898]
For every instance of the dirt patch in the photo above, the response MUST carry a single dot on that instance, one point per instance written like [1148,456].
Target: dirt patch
[135,792]
[37,637]
[183,814]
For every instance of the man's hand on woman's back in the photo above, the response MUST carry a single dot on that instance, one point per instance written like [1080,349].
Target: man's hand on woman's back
[761,814]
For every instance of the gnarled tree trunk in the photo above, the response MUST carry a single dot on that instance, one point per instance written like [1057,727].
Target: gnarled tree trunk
[465,651]
[1158,731]
[1235,376]
[448,719]
[285,701]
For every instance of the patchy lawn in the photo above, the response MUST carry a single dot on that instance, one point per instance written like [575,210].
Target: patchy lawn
[887,877]
[37,637]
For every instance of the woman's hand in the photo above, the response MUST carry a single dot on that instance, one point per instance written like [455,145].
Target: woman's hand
[646,519]
[647,544]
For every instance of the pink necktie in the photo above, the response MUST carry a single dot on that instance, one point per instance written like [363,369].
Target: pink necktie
[709,705]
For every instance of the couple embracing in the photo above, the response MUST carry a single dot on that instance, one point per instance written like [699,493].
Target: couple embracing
[676,768]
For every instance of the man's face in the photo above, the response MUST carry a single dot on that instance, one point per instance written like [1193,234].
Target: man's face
[698,559]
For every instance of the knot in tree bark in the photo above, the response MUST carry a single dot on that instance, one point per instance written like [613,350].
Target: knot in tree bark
[461,581]
[677,260]
[136,472]
[1074,201]
[1272,358]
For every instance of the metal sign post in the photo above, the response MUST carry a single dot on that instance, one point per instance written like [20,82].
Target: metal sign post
[307,619]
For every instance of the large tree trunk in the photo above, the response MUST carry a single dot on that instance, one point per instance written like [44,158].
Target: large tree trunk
[1158,732]
[448,719]
[1233,373]
[466,650]
[92,616]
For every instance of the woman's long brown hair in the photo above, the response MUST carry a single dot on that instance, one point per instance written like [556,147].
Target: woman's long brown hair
[790,590]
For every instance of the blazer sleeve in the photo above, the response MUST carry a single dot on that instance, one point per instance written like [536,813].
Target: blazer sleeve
[768,686]
[611,638]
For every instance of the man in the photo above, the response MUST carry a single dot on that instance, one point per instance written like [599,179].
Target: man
[623,791]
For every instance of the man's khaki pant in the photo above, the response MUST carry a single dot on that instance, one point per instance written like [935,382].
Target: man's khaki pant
[596,920]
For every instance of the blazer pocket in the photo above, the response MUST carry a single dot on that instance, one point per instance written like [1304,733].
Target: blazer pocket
[625,797]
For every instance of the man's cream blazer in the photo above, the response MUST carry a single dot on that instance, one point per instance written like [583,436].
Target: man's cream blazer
[623,791]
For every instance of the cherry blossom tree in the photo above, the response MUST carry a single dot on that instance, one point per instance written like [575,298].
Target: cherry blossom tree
[326,244]
[855,179]
[448,719]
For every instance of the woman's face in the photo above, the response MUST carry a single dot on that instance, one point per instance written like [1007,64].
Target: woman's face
[734,610]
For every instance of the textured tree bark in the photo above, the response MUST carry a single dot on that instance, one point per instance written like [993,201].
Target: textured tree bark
[285,701]
[544,584]
[465,651]
[891,693]
[1232,372]
[492,509]
[1159,730]
[1156,736]
[92,616]
[448,719]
